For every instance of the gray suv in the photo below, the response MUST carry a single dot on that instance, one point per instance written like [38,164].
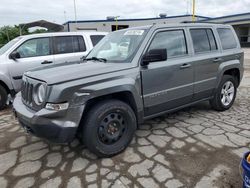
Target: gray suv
[130,76]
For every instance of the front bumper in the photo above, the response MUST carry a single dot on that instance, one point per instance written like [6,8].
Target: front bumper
[57,126]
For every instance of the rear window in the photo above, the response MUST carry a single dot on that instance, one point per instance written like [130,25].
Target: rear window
[69,44]
[96,38]
[227,38]
[203,40]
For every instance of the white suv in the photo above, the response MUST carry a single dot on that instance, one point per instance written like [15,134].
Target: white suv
[30,51]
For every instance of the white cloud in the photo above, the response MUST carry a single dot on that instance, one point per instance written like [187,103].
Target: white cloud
[21,11]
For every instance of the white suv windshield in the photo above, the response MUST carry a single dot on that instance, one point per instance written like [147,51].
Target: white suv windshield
[9,45]
[119,46]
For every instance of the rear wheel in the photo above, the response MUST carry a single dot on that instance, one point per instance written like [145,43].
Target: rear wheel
[3,97]
[225,94]
[109,127]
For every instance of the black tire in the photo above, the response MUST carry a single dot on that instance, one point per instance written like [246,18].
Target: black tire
[216,102]
[99,134]
[3,97]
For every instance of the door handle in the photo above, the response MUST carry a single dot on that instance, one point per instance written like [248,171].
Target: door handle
[47,62]
[185,65]
[218,59]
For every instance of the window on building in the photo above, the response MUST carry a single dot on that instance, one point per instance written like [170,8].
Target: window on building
[119,27]
[227,38]
[69,44]
[174,41]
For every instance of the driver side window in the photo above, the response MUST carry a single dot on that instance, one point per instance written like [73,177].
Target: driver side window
[174,41]
[34,47]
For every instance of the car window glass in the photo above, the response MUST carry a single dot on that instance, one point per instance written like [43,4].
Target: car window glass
[174,41]
[69,44]
[9,45]
[200,40]
[96,38]
[203,40]
[213,45]
[34,47]
[227,38]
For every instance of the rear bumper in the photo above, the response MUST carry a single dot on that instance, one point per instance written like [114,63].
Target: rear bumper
[56,126]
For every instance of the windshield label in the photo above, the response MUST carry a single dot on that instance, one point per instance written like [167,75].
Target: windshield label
[134,32]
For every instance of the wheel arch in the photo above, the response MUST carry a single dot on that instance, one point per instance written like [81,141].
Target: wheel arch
[4,85]
[232,68]
[235,72]
[124,96]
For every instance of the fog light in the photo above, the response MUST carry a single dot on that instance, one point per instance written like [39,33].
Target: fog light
[57,107]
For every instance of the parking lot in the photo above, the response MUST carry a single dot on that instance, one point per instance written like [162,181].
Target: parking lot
[194,147]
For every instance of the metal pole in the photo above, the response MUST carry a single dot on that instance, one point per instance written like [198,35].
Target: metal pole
[193,16]
[75,12]
[116,27]
[64,12]
[20,30]
[8,37]
[116,22]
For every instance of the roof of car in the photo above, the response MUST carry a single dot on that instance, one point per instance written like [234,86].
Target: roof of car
[64,33]
[169,25]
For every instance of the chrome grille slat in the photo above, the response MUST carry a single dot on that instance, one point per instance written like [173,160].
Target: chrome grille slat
[27,92]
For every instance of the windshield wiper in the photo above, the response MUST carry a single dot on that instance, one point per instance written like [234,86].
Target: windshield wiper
[95,59]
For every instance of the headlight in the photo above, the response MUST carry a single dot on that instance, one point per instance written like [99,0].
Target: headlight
[57,107]
[40,94]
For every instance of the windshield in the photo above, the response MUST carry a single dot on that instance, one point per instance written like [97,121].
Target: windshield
[9,45]
[119,46]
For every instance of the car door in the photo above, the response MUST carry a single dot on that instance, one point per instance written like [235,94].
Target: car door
[33,53]
[168,84]
[69,48]
[207,59]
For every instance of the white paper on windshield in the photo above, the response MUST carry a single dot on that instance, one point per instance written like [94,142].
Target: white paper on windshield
[134,32]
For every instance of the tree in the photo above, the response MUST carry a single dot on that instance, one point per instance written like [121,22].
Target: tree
[7,33]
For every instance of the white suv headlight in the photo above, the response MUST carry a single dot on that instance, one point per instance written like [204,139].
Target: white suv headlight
[40,94]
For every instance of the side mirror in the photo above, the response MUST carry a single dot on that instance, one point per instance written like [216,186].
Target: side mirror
[15,55]
[154,55]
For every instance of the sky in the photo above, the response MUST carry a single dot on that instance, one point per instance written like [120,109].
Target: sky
[59,11]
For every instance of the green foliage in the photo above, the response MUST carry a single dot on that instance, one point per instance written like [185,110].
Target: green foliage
[8,33]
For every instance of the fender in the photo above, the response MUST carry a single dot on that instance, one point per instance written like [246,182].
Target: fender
[232,64]
[111,87]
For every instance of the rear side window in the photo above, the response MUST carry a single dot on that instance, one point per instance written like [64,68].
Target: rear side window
[227,38]
[203,40]
[174,41]
[96,38]
[69,44]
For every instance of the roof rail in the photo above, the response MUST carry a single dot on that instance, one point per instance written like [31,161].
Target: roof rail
[200,22]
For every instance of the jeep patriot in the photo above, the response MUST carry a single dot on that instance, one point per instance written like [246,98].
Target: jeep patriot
[130,76]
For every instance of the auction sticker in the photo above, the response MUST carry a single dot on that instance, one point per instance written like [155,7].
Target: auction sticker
[134,32]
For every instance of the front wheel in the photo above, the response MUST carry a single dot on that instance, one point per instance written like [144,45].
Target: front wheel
[3,97]
[225,94]
[109,127]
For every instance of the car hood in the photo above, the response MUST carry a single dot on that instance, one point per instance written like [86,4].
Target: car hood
[67,72]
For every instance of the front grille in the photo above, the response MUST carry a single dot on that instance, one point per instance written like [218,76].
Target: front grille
[27,92]
[28,88]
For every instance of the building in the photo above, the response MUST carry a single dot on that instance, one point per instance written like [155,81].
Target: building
[109,25]
[240,22]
